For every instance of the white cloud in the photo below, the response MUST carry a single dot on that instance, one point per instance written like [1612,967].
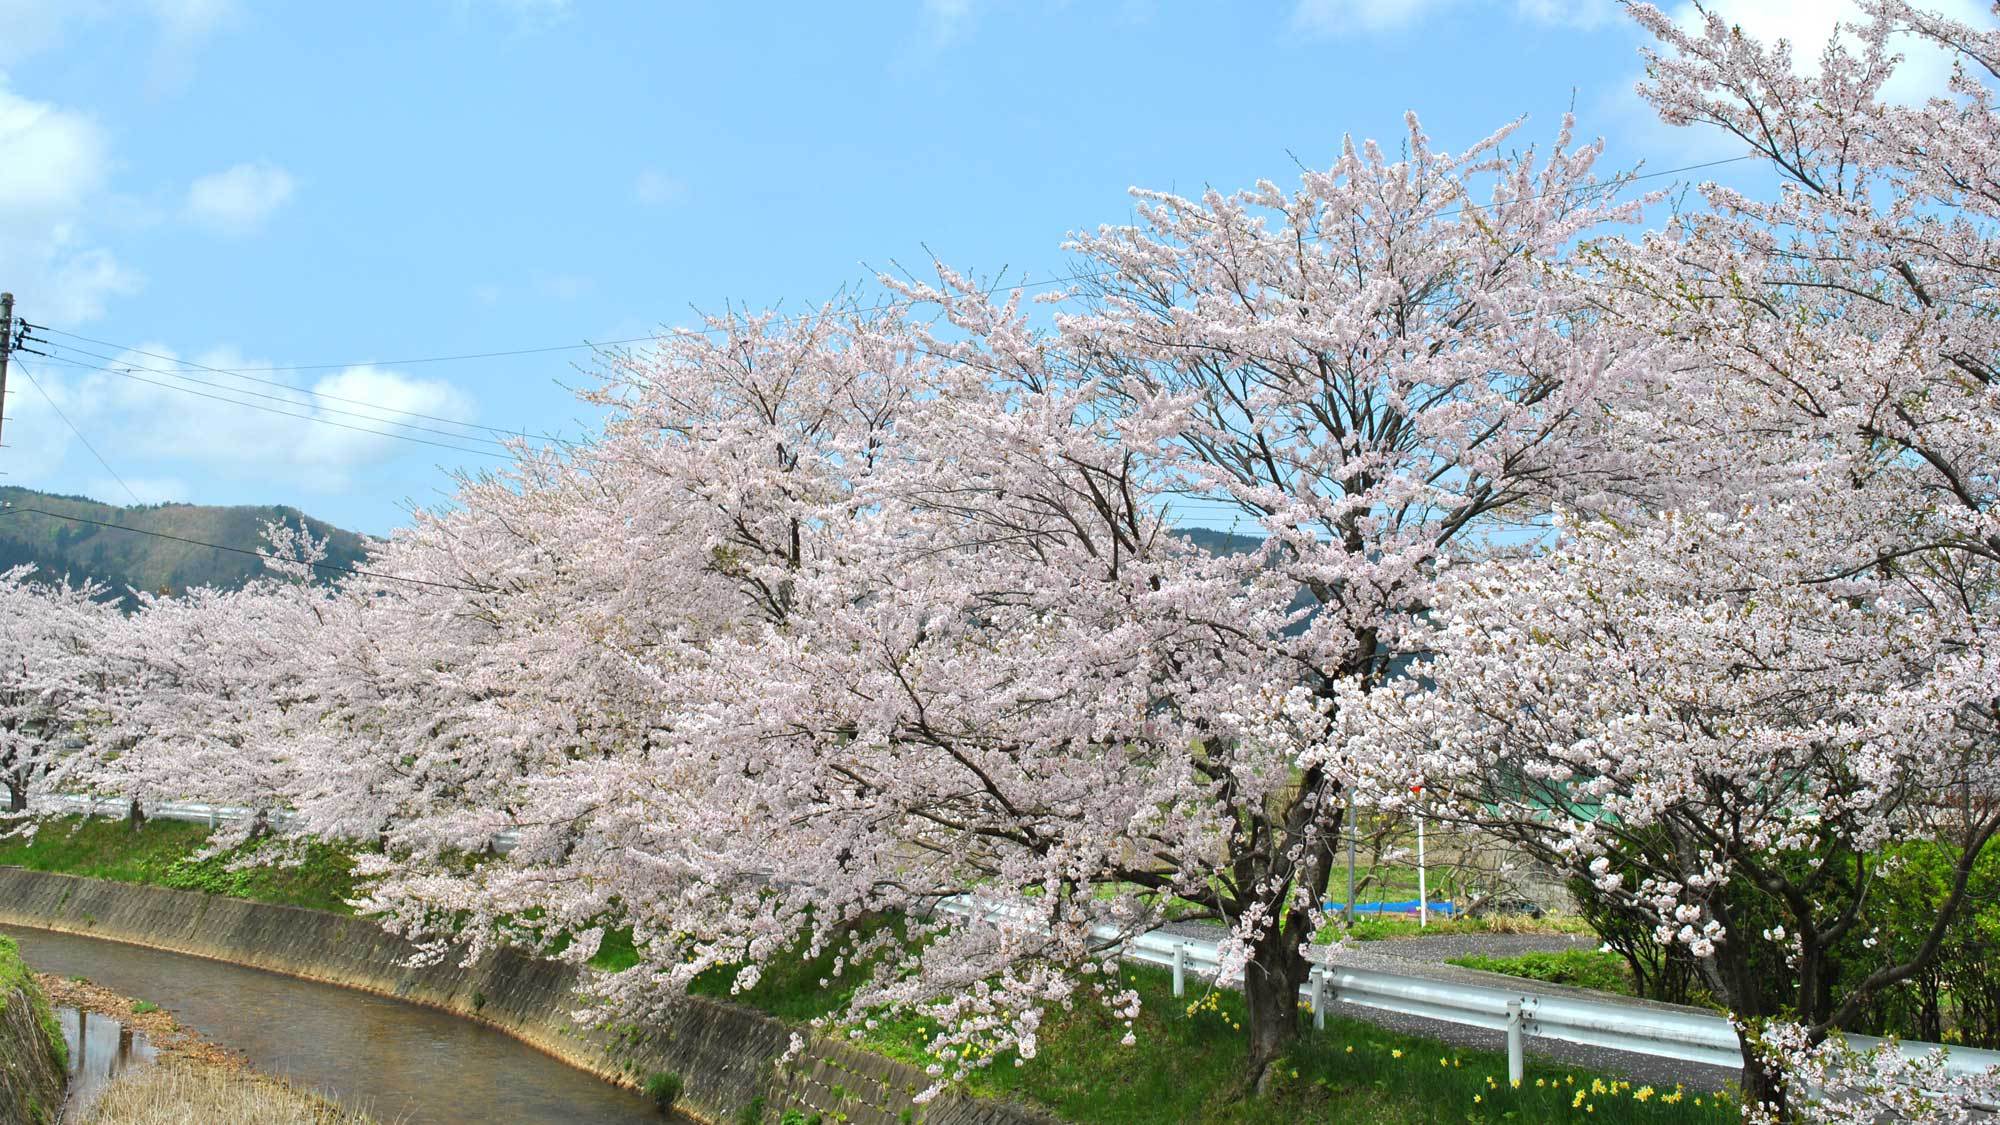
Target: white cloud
[238,200]
[1339,17]
[52,179]
[527,15]
[947,21]
[1584,15]
[33,26]
[191,21]
[79,284]
[565,286]
[657,189]
[55,156]
[183,26]
[152,432]
[340,450]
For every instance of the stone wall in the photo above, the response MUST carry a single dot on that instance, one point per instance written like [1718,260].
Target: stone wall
[725,1055]
[31,1067]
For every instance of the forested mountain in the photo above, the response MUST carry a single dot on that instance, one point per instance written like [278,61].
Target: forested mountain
[122,559]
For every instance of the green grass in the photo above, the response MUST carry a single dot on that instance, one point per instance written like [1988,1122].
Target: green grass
[16,977]
[160,855]
[1580,968]
[789,986]
[615,951]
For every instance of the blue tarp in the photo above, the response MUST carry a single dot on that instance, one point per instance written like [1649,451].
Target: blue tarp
[1408,906]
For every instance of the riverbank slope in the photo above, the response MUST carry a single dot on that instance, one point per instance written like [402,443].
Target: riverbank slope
[727,1057]
[33,1059]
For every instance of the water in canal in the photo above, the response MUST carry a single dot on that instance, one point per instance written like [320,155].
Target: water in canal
[401,1062]
[100,1049]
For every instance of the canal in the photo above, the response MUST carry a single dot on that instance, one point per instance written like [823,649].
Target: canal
[400,1062]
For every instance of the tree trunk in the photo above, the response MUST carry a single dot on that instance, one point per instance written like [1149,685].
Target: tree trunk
[1734,979]
[135,817]
[259,827]
[1271,983]
[17,797]
[1762,1081]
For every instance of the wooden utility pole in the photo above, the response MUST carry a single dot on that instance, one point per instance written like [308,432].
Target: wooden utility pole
[6,344]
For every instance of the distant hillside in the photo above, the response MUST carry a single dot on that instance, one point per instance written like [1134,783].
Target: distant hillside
[1221,542]
[122,559]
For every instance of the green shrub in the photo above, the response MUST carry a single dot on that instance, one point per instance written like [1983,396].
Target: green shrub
[1578,968]
[663,1089]
[1657,971]
[1956,998]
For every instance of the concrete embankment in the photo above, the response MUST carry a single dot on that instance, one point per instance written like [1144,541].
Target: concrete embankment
[31,1047]
[728,1057]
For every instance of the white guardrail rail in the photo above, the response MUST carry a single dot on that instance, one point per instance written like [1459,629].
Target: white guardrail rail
[1660,1032]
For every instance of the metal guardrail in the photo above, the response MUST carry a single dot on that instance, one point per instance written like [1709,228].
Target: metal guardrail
[1681,1035]
[197,812]
[1687,1036]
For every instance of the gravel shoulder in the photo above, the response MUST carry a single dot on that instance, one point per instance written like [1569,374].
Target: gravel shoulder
[1442,948]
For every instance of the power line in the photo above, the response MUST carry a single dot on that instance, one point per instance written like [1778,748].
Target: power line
[244,550]
[286,386]
[115,367]
[129,373]
[798,318]
[36,383]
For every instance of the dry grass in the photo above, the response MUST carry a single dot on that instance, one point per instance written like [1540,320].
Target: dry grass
[189,1094]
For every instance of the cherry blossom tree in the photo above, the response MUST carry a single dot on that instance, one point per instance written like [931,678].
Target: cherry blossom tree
[204,697]
[1725,741]
[520,680]
[1773,657]
[1386,365]
[52,668]
[857,617]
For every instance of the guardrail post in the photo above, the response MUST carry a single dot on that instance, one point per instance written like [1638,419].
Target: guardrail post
[1516,1067]
[1318,986]
[1180,969]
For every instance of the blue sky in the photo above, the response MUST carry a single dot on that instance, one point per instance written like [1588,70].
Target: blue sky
[249,186]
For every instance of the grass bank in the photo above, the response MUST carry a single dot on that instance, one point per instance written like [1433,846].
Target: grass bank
[18,985]
[162,854]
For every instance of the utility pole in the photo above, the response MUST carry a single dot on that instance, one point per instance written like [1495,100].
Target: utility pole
[6,345]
